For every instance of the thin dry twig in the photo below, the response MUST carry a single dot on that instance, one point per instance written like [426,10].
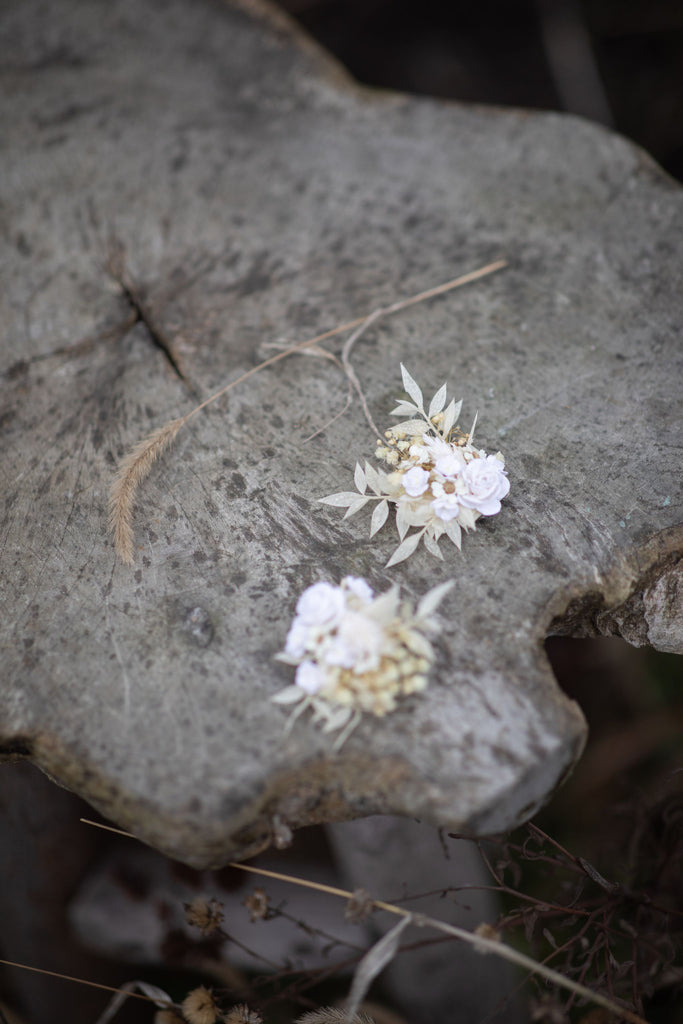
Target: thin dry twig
[479,941]
[81,981]
[136,465]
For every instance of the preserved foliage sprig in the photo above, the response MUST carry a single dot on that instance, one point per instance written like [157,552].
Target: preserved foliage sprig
[439,482]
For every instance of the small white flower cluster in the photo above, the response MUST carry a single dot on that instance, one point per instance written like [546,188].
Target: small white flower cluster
[355,652]
[439,482]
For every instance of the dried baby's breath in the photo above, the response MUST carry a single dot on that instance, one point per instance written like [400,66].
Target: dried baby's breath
[356,653]
[438,481]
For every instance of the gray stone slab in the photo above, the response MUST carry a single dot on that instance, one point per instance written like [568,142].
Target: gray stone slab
[249,192]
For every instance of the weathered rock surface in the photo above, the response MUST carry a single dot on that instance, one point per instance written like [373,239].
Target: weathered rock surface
[250,193]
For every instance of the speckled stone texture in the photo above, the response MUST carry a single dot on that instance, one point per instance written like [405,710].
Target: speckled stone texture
[245,191]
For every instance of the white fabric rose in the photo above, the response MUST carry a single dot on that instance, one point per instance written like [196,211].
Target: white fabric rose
[357,645]
[450,465]
[309,677]
[486,483]
[359,588]
[321,605]
[297,639]
[415,481]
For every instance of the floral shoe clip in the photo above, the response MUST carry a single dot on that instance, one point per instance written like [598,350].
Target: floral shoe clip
[438,481]
[356,653]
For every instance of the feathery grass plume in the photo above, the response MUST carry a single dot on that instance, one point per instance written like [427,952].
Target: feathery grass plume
[136,464]
[133,469]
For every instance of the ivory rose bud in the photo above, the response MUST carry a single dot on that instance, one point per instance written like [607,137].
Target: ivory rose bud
[309,677]
[415,481]
[485,484]
[320,605]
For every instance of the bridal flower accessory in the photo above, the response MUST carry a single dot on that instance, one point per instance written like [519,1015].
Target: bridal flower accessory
[355,652]
[438,481]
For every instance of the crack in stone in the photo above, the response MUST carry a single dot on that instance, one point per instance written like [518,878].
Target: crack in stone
[156,334]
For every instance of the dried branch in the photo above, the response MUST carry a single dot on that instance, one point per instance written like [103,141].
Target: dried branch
[479,939]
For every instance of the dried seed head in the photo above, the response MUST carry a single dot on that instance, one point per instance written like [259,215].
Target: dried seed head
[487,931]
[257,905]
[167,1017]
[242,1015]
[359,907]
[199,1007]
[207,915]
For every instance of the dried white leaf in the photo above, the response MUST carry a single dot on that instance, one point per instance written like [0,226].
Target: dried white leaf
[337,719]
[359,478]
[450,417]
[410,427]
[420,646]
[290,695]
[379,517]
[433,598]
[356,506]
[403,517]
[432,546]
[386,605]
[471,434]
[287,659]
[412,388]
[438,401]
[404,550]
[374,961]
[373,478]
[467,517]
[404,408]
[341,499]
[161,999]
[454,532]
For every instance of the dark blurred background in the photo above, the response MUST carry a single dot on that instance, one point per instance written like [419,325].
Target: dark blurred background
[618,62]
